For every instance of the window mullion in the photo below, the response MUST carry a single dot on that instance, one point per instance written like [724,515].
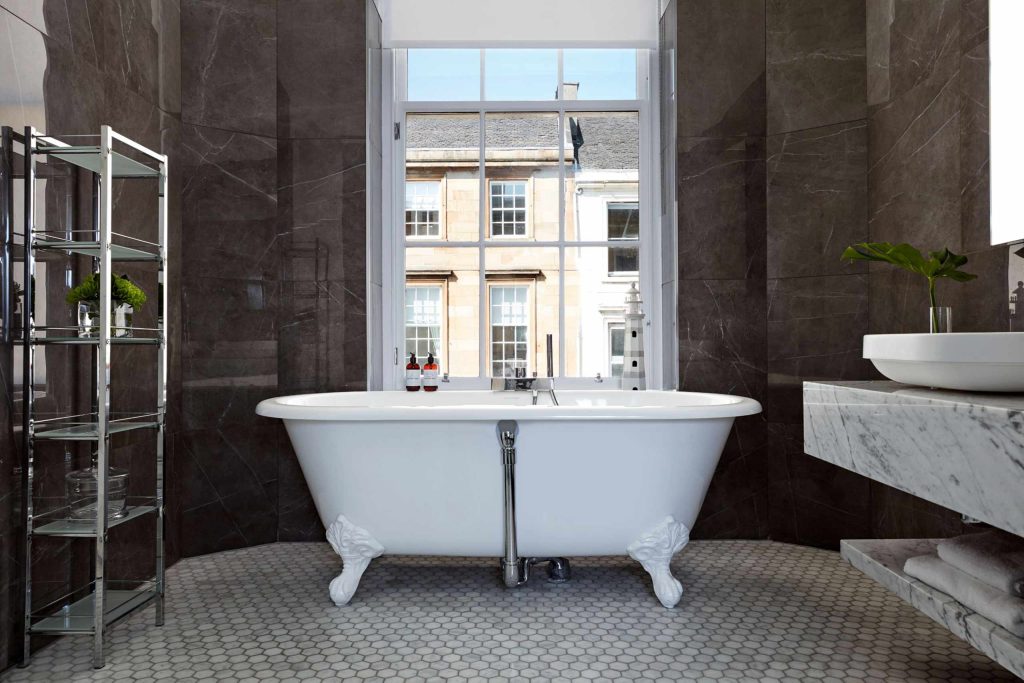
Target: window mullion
[483,315]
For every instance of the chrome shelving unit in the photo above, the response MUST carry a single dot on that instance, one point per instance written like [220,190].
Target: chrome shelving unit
[91,609]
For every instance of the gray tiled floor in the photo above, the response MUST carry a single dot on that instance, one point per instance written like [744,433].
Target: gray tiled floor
[752,611]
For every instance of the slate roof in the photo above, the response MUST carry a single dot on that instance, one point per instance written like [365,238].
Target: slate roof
[611,140]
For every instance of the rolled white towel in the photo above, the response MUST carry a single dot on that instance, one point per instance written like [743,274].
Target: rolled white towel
[994,556]
[995,605]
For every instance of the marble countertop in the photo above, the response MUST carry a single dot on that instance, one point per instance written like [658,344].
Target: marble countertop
[906,393]
[962,451]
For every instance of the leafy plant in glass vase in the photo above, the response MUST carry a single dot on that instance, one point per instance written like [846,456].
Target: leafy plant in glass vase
[938,264]
[125,298]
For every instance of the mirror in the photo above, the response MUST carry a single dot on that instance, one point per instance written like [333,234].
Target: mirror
[1006,108]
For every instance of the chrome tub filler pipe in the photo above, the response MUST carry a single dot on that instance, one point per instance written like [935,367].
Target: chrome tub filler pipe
[515,570]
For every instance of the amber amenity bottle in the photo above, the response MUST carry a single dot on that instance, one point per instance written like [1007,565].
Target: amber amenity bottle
[430,374]
[412,374]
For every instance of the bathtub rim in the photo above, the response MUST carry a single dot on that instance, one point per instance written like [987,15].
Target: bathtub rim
[724,406]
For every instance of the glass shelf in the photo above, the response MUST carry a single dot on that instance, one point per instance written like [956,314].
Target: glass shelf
[117,252]
[93,341]
[55,523]
[88,157]
[77,617]
[84,427]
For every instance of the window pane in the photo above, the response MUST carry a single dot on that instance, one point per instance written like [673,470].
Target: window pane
[522,299]
[601,74]
[623,221]
[602,160]
[443,75]
[522,170]
[595,306]
[521,74]
[616,349]
[505,220]
[422,208]
[445,146]
[510,321]
[423,322]
[457,310]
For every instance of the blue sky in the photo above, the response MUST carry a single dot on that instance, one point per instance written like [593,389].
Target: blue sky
[520,74]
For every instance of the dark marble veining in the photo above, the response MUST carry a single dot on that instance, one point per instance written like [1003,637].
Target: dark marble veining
[721,68]
[721,220]
[817,199]
[914,124]
[322,208]
[229,65]
[816,72]
[809,336]
[274,146]
[322,69]
[230,201]
[876,122]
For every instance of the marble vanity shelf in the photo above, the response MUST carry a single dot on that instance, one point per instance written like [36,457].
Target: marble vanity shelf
[960,450]
[882,560]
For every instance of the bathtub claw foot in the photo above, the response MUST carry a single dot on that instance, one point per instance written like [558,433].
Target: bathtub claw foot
[356,547]
[654,550]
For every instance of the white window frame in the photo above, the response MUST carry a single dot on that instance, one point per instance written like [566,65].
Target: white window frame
[393,245]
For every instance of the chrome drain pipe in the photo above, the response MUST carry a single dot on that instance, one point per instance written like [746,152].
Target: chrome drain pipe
[510,569]
[515,571]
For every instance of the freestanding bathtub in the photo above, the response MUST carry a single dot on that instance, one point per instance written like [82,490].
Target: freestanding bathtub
[603,473]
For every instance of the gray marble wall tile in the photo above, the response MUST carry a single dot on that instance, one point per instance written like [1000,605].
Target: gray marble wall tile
[974,140]
[896,514]
[722,322]
[809,337]
[321,207]
[127,43]
[721,194]
[721,68]
[229,65]
[817,199]
[297,518]
[229,483]
[816,69]
[321,80]
[230,200]
[914,124]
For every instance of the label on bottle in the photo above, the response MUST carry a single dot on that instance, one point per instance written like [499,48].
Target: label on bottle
[412,379]
[430,378]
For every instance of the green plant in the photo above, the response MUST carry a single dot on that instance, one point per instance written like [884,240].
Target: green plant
[939,264]
[122,291]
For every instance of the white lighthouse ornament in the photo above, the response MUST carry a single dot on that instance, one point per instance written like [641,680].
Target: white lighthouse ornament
[634,377]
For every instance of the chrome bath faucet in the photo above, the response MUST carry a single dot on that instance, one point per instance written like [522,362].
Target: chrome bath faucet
[520,382]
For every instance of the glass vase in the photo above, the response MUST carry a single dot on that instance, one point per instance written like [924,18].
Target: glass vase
[940,319]
[89,320]
[83,492]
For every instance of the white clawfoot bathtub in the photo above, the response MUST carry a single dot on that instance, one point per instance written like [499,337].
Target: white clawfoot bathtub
[603,473]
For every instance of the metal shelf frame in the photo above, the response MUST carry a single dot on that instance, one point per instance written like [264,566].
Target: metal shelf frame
[102,606]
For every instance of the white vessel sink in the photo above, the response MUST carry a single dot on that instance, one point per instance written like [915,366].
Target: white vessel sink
[966,361]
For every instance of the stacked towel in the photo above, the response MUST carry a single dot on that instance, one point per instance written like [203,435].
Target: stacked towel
[993,604]
[994,557]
